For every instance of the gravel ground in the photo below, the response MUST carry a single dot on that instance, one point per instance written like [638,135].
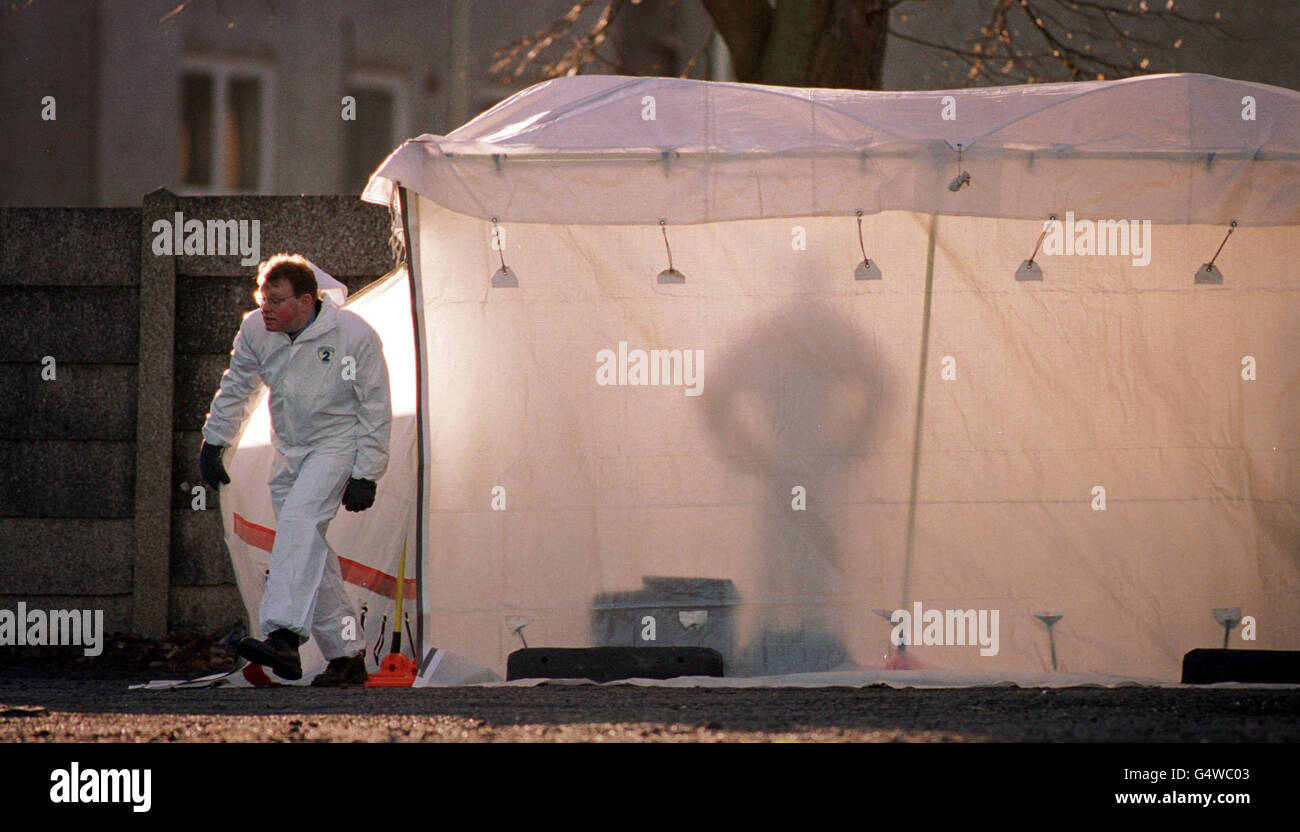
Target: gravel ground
[66,705]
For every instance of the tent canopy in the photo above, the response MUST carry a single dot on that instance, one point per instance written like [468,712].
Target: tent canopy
[775,458]
[1169,148]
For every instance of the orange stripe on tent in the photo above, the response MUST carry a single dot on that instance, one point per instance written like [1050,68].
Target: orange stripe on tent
[373,580]
[253,534]
[353,572]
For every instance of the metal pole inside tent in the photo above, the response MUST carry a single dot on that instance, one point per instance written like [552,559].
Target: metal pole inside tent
[920,415]
[410,248]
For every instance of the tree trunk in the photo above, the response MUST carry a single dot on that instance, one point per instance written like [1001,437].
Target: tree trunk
[804,43]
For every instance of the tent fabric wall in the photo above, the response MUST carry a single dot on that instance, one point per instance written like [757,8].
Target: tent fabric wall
[369,543]
[1115,443]
[1104,374]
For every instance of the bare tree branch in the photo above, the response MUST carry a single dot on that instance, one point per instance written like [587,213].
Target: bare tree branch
[514,59]
[1084,39]
[1074,39]
[954,50]
[169,14]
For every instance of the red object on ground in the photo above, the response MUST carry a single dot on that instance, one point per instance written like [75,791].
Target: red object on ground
[256,674]
[395,671]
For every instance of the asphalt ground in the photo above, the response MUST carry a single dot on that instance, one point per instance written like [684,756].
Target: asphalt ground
[574,753]
[63,705]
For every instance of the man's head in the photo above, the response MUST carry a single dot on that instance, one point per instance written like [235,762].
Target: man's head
[286,291]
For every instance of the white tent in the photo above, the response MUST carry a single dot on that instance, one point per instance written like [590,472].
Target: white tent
[773,456]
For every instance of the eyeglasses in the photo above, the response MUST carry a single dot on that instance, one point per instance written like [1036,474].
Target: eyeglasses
[268,300]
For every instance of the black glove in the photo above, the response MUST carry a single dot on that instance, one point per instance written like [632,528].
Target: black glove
[359,495]
[210,466]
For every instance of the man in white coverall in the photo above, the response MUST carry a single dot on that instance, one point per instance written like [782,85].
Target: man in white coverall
[330,421]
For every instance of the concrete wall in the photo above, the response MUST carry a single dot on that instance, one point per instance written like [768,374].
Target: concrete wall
[69,290]
[96,462]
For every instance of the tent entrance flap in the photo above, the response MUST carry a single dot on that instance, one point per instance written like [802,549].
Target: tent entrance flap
[411,249]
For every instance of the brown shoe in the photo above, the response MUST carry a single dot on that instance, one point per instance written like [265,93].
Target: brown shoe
[343,672]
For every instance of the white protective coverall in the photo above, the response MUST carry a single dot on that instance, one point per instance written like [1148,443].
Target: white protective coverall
[330,420]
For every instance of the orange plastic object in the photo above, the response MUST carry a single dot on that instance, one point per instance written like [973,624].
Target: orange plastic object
[395,671]
[256,674]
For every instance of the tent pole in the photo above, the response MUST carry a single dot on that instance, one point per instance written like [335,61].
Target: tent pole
[920,415]
[938,149]
[417,305]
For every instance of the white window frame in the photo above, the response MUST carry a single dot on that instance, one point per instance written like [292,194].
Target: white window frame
[221,70]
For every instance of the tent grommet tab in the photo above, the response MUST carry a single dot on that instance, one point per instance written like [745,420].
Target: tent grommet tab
[669,275]
[1209,274]
[504,277]
[1030,270]
[867,269]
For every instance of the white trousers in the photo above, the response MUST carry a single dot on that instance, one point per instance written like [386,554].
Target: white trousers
[304,590]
